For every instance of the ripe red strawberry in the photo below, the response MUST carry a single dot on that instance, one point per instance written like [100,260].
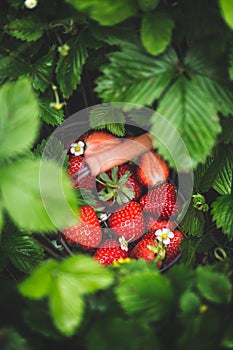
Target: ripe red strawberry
[109,252]
[128,221]
[154,225]
[87,232]
[152,169]
[173,247]
[161,201]
[99,141]
[120,184]
[147,248]
[76,163]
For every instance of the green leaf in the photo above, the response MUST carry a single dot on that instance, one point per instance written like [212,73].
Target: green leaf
[211,169]
[231,63]
[49,114]
[39,283]
[1,217]
[215,287]
[222,210]
[191,123]
[38,195]
[18,118]
[42,71]
[10,339]
[13,66]
[64,283]
[23,251]
[188,248]
[90,276]
[69,68]
[120,333]
[28,28]
[227,11]
[151,303]
[211,77]
[193,222]
[106,117]
[223,180]
[156,32]
[148,5]
[145,77]
[189,303]
[227,130]
[106,12]
[66,305]
[227,341]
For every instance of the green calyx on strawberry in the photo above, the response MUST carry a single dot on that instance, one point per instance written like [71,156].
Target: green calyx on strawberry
[160,246]
[87,232]
[119,185]
[149,250]
[161,201]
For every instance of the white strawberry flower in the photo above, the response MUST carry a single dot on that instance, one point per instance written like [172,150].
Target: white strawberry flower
[123,243]
[104,216]
[30,4]
[77,148]
[164,235]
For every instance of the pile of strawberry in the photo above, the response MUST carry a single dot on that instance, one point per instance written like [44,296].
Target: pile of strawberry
[135,207]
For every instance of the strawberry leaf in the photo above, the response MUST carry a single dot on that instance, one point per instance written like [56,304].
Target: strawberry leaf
[193,222]
[38,195]
[190,303]
[214,286]
[148,5]
[39,283]
[22,250]
[188,144]
[66,305]
[42,71]
[64,284]
[223,180]
[19,102]
[156,32]
[145,77]
[69,68]
[49,114]
[152,303]
[106,12]
[222,213]
[27,29]
[106,117]
[227,12]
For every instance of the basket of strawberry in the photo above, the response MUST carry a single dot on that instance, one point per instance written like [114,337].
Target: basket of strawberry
[130,204]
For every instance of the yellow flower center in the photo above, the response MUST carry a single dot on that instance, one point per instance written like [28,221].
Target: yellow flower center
[164,236]
[77,148]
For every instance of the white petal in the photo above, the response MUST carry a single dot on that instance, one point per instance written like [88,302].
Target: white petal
[159,238]
[79,153]
[158,233]
[166,230]
[81,144]
[73,145]
[170,234]
[166,241]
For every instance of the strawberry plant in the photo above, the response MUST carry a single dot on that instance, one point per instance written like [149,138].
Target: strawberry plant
[137,255]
